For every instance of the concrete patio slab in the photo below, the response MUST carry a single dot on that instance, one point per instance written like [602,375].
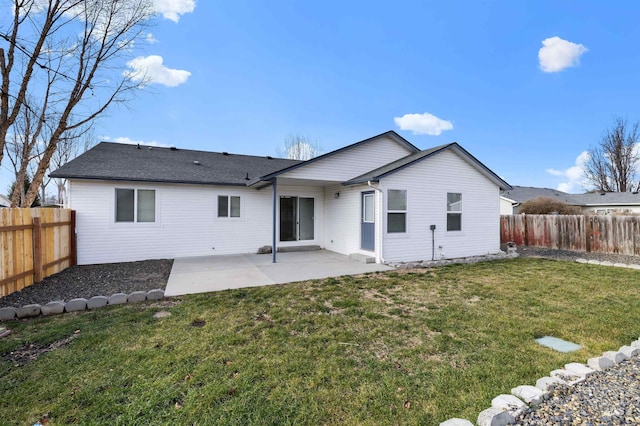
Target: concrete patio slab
[203,274]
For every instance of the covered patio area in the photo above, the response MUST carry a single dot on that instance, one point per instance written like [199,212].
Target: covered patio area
[204,274]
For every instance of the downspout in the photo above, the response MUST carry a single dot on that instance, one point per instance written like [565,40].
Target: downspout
[274,249]
[380,229]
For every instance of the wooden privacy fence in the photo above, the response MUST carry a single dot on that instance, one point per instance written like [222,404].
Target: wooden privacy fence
[34,244]
[599,234]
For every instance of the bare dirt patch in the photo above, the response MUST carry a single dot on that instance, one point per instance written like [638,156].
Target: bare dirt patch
[33,351]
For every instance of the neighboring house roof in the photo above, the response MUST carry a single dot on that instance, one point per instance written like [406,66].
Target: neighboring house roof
[606,199]
[390,134]
[395,166]
[4,201]
[115,161]
[520,194]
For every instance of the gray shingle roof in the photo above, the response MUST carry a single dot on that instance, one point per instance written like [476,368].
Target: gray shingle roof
[114,161]
[524,193]
[376,174]
[521,194]
[606,198]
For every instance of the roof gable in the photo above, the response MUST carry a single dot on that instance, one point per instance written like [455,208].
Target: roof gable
[395,166]
[392,135]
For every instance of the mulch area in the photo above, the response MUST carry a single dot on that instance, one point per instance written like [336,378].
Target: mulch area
[94,280]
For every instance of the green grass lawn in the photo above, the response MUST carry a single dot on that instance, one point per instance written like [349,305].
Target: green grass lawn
[402,348]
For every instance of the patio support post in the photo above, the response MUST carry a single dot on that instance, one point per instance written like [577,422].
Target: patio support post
[274,249]
[379,222]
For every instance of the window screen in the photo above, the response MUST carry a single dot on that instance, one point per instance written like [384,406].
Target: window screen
[146,205]
[125,205]
[454,211]
[396,211]
[228,206]
[135,205]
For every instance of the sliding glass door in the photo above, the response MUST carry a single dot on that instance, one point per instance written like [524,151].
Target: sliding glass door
[296,218]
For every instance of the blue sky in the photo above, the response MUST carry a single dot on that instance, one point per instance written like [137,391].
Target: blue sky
[240,76]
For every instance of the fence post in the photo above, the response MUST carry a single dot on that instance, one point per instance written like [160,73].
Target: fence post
[37,250]
[73,254]
[526,230]
[589,232]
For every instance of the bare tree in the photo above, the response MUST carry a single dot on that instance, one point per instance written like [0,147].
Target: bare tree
[68,149]
[298,147]
[613,164]
[60,66]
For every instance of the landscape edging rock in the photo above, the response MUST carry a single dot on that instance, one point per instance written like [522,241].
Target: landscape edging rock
[504,415]
[11,313]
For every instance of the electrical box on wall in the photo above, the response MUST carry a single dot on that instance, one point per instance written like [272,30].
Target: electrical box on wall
[432,227]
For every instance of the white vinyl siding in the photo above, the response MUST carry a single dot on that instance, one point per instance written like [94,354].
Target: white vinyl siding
[353,162]
[427,205]
[186,222]
[342,227]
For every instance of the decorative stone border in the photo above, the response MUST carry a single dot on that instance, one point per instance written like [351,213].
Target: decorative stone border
[443,262]
[79,304]
[505,409]
[605,263]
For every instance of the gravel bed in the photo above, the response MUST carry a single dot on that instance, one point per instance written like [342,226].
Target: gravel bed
[610,397]
[94,280]
[567,255]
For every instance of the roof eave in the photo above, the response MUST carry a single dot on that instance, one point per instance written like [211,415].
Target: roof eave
[173,181]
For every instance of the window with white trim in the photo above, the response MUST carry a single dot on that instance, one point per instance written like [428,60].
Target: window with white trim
[396,211]
[135,205]
[228,206]
[454,211]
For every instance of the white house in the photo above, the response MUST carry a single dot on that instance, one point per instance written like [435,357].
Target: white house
[601,203]
[381,197]
[512,198]
[605,203]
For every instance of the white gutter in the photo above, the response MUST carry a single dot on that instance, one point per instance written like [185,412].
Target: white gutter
[379,226]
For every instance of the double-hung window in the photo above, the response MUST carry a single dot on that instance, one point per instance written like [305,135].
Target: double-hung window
[454,211]
[228,206]
[396,211]
[135,205]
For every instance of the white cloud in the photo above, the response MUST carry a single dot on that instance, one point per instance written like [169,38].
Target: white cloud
[557,54]
[149,38]
[169,9]
[129,141]
[574,175]
[423,124]
[172,9]
[150,69]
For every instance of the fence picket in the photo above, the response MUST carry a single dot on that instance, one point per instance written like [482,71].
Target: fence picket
[598,234]
[34,244]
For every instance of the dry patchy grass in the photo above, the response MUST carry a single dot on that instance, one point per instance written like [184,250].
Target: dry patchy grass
[405,347]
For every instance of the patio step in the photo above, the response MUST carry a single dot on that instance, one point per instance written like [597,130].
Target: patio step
[297,248]
[362,258]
